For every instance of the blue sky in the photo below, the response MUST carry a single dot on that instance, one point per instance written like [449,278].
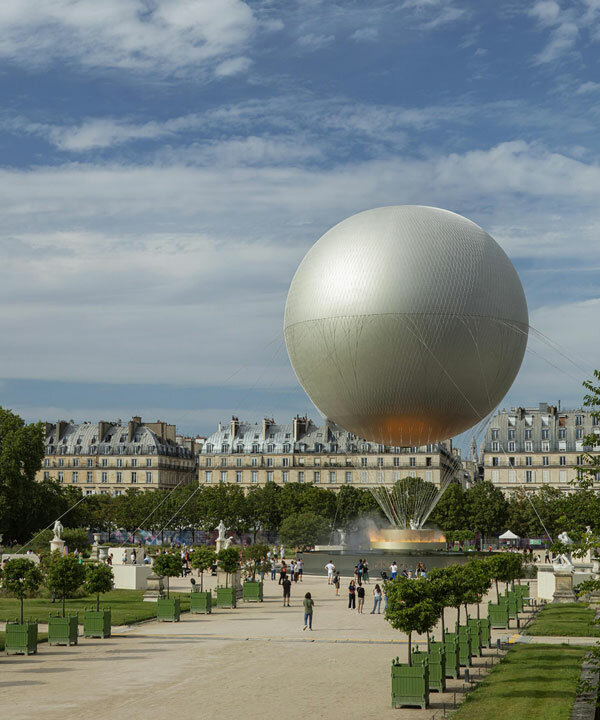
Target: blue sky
[165,165]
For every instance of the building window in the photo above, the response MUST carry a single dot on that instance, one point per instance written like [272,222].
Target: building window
[238,462]
[332,477]
[579,434]
[527,434]
[208,476]
[528,446]
[495,476]
[494,434]
[104,477]
[528,476]
[429,475]
[412,462]
[317,476]
[119,476]
[511,434]
[285,462]
[75,477]
[562,460]
[396,462]
[578,419]
[208,462]
[545,460]
[286,448]
[223,462]
[133,478]
[148,477]
[363,462]
[46,475]
[254,476]
[379,462]
[90,462]
[512,476]
[104,462]
[545,447]
[511,461]
[75,462]
[545,434]
[511,447]
[255,448]
[428,462]
[47,462]
[61,462]
[348,477]
[379,476]
[224,448]
[133,462]
[269,462]
[238,476]
[545,476]
[269,476]
[148,462]
[285,476]
[254,462]
[495,447]
[270,447]
[412,474]
[301,476]
[223,476]
[119,462]
[495,462]
[89,477]
[562,433]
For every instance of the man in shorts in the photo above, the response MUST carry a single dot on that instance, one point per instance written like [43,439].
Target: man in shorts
[299,568]
[287,590]
[330,567]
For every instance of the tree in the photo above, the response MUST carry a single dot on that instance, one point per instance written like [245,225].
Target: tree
[98,579]
[167,565]
[21,577]
[486,508]
[440,588]
[65,576]
[255,558]
[202,558]
[478,582]
[301,530]
[411,607]
[228,559]
[450,512]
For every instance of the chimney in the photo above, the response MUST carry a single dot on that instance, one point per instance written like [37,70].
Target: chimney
[61,426]
[132,426]
[266,424]
[102,428]
[235,424]
[300,427]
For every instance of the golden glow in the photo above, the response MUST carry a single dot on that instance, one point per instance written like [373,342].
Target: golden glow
[399,539]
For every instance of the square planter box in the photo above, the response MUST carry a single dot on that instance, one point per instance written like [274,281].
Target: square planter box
[498,615]
[168,609]
[513,603]
[63,630]
[21,638]
[226,597]
[476,640]
[486,635]
[452,665]
[96,623]
[201,602]
[437,666]
[410,685]
[523,591]
[252,591]
[464,645]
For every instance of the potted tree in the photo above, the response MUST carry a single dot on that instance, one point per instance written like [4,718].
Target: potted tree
[255,561]
[499,612]
[202,559]
[167,565]
[480,582]
[64,577]
[410,609]
[228,562]
[98,579]
[441,588]
[21,577]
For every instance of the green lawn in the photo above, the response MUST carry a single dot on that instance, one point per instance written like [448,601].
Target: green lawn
[42,637]
[127,606]
[574,619]
[533,682]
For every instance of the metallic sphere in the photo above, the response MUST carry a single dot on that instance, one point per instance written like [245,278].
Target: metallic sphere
[406,325]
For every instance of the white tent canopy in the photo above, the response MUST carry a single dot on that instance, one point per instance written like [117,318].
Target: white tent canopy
[508,535]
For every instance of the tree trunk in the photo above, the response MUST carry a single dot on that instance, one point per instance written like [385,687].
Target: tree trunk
[409,650]
[21,611]
[428,648]
[201,580]
[443,627]
[168,595]
[63,605]
[98,602]
[478,617]
[457,617]
[497,592]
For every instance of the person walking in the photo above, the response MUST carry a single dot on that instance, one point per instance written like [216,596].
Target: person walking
[376,600]
[300,568]
[359,571]
[293,570]
[365,572]
[394,569]
[330,567]
[360,593]
[287,591]
[273,569]
[337,582]
[308,611]
[384,597]
[282,573]
[352,595]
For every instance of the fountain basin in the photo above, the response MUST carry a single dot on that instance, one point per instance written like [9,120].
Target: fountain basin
[398,539]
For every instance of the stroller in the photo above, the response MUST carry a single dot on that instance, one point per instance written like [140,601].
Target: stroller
[384,575]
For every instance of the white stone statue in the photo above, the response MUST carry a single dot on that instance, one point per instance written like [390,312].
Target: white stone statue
[222,530]
[58,528]
[227,543]
[342,534]
[565,558]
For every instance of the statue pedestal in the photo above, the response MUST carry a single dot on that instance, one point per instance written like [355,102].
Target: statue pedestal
[563,583]
[230,580]
[56,544]
[154,588]
[102,553]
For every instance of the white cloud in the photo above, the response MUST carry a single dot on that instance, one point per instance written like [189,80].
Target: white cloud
[233,66]
[162,36]
[366,34]
[562,39]
[546,12]
[587,87]
[312,41]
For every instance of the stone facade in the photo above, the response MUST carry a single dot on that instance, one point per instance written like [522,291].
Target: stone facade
[532,447]
[109,457]
[251,454]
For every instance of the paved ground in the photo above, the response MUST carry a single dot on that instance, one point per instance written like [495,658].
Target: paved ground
[252,662]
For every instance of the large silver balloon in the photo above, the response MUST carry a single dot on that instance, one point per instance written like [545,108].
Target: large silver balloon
[406,325]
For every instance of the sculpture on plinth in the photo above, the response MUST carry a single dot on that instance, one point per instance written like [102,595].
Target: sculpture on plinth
[57,543]
[222,542]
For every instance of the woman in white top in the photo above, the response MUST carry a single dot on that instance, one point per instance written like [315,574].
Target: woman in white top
[376,600]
